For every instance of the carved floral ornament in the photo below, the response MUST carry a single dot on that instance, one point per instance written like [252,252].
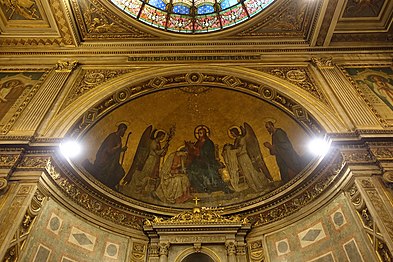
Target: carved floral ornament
[203,215]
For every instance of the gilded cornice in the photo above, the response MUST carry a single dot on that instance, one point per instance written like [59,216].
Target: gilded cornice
[80,190]
[80,194]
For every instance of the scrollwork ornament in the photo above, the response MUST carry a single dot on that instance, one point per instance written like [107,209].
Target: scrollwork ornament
[323,63]
[3,184]
[35,162]
[65,65]
[383,153]
[388,178]
[8,160]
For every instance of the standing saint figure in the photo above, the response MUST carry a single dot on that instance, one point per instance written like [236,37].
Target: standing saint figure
[288,161]
[202,165]
[143,176]
[244,158]
[381,86]
[106,167]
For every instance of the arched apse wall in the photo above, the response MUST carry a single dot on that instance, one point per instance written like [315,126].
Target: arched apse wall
[323,114]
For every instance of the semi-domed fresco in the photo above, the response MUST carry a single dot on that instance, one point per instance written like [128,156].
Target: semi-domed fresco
[171,147]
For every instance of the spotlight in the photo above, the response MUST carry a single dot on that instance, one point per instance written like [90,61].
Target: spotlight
[318,146]
[70,148]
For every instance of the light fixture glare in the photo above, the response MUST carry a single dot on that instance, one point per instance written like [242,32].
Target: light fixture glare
[70,148]
[318,147]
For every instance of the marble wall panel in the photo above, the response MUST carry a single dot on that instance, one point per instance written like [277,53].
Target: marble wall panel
[61,236]
[329,235]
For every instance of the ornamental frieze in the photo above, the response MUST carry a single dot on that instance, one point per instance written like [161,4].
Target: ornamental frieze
[8,160]
[314,189]
[84,198]
[357,156]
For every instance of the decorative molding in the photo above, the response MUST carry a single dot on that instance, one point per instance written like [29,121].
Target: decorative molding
[299,76]
[323,62]
[357,155]
[83,197]
[65,37]
[65,65]
[194,58]
[198,215]
[327,21]
[89,79]
[291,204]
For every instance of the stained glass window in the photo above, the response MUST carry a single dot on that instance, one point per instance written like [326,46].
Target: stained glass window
[192,16]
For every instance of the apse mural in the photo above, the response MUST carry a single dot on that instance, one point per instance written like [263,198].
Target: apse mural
[171,147]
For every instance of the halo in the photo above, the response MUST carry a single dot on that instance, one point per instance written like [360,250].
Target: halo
[155,133]
[381,75]
[122,122]
[269,119]
[234,127]
[201,127]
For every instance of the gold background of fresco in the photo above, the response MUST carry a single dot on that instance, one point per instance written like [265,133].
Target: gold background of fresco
[218,109]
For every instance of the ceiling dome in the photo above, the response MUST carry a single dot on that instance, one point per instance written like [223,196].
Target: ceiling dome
[192,16]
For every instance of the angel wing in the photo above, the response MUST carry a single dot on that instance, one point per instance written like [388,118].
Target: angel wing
[254,151]
[141,154]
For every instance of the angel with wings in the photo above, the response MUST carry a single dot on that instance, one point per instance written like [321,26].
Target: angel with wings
[244,157]
[143,175]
